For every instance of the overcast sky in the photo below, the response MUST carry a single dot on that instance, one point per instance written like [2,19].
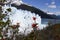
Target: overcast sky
[50,5]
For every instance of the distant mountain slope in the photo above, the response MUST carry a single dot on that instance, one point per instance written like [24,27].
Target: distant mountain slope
[33,9]
[58,16]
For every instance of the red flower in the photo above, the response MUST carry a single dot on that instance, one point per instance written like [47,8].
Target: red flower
[34,25]
[34,18]
[3,39]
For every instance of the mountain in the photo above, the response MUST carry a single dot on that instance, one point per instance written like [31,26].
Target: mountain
[58,16]
[33,10]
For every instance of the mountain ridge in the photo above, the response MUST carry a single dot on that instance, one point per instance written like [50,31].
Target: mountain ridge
[33,10]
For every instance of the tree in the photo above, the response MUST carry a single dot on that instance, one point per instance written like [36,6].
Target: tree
[2,1]
[1,21]
[50,23]
[4,22]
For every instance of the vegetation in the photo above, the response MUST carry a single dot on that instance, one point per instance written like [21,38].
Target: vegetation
[2,1]
[9,9]
[51,32]
[3,23]
[7,31]
[48,33]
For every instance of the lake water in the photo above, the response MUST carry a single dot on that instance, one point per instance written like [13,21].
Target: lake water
[44,22]
[54,21]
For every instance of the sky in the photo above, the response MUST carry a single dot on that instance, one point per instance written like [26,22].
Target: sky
[52,6]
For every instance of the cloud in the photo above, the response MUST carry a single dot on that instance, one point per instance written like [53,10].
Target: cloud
[52,2]
[50,13]
[52,6]
[57,13]
[17,2]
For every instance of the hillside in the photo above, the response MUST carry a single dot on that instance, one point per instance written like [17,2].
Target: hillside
[34,10]
[48,33]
